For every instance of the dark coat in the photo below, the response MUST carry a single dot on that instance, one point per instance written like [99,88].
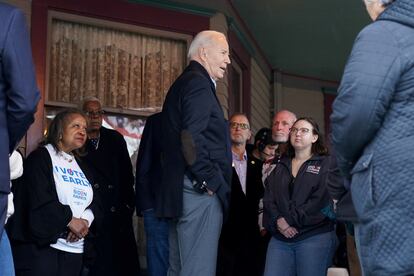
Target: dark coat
[18,92]
[240,235]
[116,245]
[338,188]
[372,133]
[299,200]
[39,217]
[148,175]
[195,141]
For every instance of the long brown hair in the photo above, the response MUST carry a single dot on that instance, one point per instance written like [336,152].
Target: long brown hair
[318,147]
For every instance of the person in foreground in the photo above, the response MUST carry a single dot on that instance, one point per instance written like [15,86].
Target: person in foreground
[55,204]
[372,134]
[19,96]
[196,159]
[295,198]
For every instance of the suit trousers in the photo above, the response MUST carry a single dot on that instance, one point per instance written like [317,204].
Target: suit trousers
[193,237]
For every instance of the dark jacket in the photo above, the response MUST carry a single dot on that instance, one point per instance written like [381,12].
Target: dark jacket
[338,188]
[195,141]
[299,200]
[18,92]
[113,169]
[240,233]
[116,245]
[39,216]
[148,175]
[242,223]
[373,136]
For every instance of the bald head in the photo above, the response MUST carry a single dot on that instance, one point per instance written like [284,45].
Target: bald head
[211,50]
[282,122]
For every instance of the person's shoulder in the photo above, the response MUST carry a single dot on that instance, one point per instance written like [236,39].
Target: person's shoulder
[8,12]
[108,131]
[196,73]
[378,33]
[6,8]
[38,155]
[111,134]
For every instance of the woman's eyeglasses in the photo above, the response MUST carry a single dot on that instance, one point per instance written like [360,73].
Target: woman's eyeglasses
[302,130]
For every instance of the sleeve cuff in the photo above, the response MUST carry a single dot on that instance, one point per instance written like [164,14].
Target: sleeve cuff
[88,215]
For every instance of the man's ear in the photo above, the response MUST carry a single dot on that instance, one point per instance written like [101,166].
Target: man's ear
[202,53]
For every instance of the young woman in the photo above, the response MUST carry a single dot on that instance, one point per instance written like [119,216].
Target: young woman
[303,238]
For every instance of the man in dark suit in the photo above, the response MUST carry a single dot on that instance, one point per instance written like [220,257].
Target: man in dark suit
[107,155]
[196,159]
[240,236]
[147,187]
[18,100]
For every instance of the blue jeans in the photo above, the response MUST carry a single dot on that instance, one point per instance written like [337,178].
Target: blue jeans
[156,231]
[311,256]
[6,257]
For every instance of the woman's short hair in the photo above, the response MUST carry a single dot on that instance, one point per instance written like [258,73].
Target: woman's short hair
[318,147]
[55,130]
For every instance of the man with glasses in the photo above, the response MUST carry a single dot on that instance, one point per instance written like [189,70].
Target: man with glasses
[108,156]
[240,235]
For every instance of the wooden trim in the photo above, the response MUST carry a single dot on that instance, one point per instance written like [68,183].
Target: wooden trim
[117,11]
[241,56]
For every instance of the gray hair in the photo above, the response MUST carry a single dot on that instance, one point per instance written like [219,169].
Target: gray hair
[384,3]
[87,100]
[202,39]
[293,115]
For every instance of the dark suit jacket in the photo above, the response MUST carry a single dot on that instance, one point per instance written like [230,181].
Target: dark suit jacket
[195,141]
[113,170]
[148,175]
[18,92]
[240,234]
[117,253]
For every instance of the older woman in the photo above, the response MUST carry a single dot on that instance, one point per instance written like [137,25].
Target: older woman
[303,238]
[373,137]
[55,204]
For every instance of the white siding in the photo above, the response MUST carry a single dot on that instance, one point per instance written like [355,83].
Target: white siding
[260,98]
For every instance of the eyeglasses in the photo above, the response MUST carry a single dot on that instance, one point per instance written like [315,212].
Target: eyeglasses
[243,126]
[95,113]
[302,130]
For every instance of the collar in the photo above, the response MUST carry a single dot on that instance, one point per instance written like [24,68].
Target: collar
[236,156]
[214,82]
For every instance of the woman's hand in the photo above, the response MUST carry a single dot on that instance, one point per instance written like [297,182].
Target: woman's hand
[79,227]
[290,232]
[282,224]
[284,228]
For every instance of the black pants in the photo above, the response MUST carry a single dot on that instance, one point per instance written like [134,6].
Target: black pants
[30,260]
